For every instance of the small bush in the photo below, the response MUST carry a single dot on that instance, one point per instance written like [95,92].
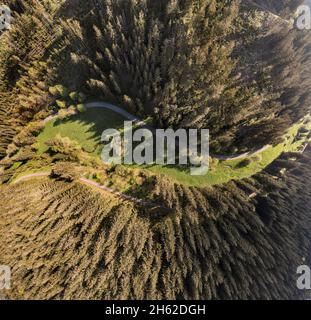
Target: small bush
[244,163]
[53,91]
[65,171]
[61,104]
[74,96]
[63,91]
[82,97]
[81,108]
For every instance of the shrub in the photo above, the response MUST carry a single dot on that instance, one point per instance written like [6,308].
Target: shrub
[61,104]
[65,171]
[53,91]
[65,146]
[63,91]
[82,97]
[74,96]
[81,108]
[244,163]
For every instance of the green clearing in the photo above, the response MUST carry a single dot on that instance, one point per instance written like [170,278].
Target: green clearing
[225,171]
[87,128]
[228,170]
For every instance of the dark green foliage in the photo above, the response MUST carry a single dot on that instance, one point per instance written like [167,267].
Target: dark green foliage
[244,163]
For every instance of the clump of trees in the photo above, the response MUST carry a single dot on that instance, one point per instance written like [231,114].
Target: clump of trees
[67,103]
[65,146]
[65,171]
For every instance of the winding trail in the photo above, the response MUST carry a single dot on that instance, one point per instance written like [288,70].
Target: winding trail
[116,109]
[88,182]
[242,155]
[139,122]
[142,123]
[32,175]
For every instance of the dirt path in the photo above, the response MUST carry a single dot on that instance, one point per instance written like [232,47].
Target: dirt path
[115,192]
[240,156]
[32,175]
[139,122]
[93,184]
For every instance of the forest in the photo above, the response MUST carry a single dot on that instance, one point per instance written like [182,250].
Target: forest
[239,68]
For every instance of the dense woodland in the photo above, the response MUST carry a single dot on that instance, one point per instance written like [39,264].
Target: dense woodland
[65,241]
[230,66]
[191,64]
[196,64]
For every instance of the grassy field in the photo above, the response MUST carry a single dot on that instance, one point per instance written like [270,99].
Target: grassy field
[87,128]
[225,171]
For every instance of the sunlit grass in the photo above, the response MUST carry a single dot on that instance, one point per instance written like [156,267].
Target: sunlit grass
[229,170]
[86,129]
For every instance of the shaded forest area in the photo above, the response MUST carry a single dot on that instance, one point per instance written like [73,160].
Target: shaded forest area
[224,65]
[65,241]
[197,64]
[194,64]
